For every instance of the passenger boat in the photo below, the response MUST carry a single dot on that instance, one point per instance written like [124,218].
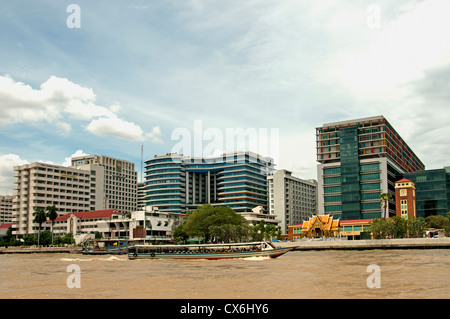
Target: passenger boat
[206,251]
[104,247]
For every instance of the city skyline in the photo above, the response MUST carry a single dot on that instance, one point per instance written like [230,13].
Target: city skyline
[134,72]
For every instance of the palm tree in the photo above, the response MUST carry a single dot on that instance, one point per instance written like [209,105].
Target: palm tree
[384,200]
[40,218]
[52,215]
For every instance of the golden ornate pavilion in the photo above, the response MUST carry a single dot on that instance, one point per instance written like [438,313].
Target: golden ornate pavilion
[321,226]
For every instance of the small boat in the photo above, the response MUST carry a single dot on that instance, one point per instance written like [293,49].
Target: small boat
[104,247]
[206,251]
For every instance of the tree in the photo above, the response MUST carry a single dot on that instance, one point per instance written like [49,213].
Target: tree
[52,215]
[399,227]
[199,221]
[437,221]
[416,227]
[384,200]
[40,218]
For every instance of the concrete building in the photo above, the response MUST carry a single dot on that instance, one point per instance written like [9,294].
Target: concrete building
[114,182]
[291,199]
[38,185]
[360,159]
[147,225]
[6,209]
[92,183]
[177,183]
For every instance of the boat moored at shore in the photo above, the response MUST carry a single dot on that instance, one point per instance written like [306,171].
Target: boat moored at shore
[105,247]
[206,251]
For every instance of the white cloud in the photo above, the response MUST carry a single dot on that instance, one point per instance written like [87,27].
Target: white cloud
[59,98]
[68,160]
[7,163]
[114,126]
[155,135]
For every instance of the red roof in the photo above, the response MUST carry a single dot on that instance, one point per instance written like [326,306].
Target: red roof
[95,214]
[404,180]
[6,226]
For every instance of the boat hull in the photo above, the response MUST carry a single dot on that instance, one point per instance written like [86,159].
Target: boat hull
[273,253]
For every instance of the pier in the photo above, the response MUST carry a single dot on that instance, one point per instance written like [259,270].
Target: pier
[336,244]
[38,250]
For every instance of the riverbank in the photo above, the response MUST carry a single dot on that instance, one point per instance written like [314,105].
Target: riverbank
[403,243]
[36,250]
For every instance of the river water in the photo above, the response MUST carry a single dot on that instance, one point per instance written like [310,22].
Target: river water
[297,274]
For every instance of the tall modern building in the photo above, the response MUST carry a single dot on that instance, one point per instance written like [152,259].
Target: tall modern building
[114,182]
[360,159]
[432,191]
[291,199]
[177,183]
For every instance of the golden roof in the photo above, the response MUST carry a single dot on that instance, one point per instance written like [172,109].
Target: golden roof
[325,222]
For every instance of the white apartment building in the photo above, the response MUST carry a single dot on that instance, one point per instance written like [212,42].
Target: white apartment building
[291,199]
[6,209]
[38,185]
[114,182]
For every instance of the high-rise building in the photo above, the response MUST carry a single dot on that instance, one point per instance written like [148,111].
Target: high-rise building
[291,199]
[6,209]
[360,159]
[432,191]
[114,182]
[177,183]
[38,185]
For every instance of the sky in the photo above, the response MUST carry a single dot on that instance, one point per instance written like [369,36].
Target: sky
[110,77]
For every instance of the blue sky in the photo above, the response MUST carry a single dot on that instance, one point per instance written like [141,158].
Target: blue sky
[136,71]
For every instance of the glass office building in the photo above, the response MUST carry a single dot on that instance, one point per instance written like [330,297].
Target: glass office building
[432,191]
[177,183]
[360,159]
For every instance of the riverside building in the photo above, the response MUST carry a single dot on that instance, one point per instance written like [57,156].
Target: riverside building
[432,191]
[291,199]
[177,183]
[360,159]
[92,183]
[38,185]
[114,182]
[6,209]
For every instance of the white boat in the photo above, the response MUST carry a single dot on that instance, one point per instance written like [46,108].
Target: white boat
[206,251]
[104,247]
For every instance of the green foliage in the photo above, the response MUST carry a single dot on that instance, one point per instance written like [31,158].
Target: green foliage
[416,227]
[397,227]
[437,221]
[199,222]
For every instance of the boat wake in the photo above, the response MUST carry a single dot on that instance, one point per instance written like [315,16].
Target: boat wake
[257,258]
[111,258]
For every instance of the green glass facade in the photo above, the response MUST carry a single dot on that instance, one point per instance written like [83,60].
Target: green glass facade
[432,191]
[351,199]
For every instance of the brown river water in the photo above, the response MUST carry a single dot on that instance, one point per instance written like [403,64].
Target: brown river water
[295,275]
